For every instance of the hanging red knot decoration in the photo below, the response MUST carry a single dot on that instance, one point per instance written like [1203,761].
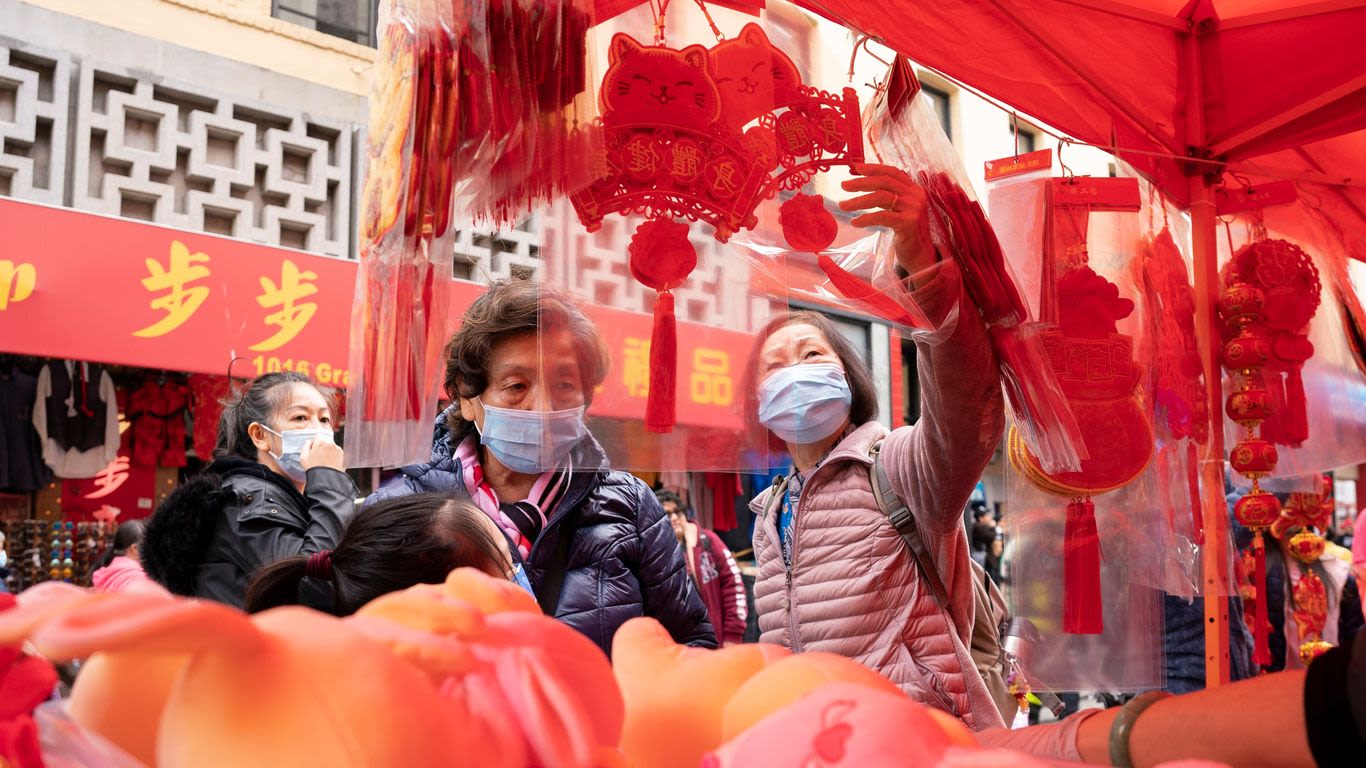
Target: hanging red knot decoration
[705,135]
[1289,282]
[1178,396]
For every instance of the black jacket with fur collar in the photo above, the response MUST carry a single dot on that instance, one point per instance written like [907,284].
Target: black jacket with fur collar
[213,533]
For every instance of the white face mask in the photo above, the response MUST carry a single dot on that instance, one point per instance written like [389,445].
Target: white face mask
[292,442]
[805,403]
[531,442]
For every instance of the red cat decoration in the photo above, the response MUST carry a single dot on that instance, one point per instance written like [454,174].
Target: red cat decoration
[697,134]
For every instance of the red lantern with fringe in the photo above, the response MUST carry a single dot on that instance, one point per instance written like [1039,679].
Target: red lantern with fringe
[1241,305]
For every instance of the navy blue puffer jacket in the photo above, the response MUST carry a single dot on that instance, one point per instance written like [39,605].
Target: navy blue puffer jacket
[623,560]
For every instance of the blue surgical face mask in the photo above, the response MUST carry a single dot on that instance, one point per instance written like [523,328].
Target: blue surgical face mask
[531,442]
[805,403]
[519,578]
[292,442]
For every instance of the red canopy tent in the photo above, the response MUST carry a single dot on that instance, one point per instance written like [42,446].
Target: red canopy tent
[1187,91]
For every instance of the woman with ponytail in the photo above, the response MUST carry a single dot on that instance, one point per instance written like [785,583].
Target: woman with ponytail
[390,545]
[275,490]
[119,569]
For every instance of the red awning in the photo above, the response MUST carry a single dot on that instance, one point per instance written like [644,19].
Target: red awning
[1283,88]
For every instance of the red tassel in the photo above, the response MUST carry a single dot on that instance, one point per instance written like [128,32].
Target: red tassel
[861,292]
[1294,420]
[1193,481]
[660,413]
[1261,647]
[1081,601]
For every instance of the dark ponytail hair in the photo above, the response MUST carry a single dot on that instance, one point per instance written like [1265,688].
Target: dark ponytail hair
[259,402]
[126,536]
[390,545]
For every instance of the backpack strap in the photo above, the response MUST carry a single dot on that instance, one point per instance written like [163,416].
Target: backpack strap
[895,509]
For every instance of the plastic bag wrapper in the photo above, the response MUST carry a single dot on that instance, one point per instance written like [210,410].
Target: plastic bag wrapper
[66,744]
[1334,380]
[915,142]
[1173,387]
[1110,516]
[1128,656]
[403,284]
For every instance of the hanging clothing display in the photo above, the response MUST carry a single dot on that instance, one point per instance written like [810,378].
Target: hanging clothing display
[157,412]
[76,415]
[207,394]
[724,487]
[21,466]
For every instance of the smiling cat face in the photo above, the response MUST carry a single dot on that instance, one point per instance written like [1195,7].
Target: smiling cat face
[660,85]
[753,76]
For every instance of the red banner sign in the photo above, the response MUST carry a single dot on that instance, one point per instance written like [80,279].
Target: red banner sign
[80,286]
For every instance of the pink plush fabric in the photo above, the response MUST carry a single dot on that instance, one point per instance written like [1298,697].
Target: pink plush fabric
[124,574]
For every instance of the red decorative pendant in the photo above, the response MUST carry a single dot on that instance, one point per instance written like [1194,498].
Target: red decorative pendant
[705,135]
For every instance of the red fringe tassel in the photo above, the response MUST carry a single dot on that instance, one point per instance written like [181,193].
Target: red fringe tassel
[1294,420]
[1081,602]
[660,412]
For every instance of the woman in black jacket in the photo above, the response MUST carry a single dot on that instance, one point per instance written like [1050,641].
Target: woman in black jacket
[595,543]
[275,489]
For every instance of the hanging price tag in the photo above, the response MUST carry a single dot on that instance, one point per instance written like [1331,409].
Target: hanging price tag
[1097,194]
[1042,160]
[1239,199]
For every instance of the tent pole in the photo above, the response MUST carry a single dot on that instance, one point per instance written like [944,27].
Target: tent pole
[1205,255]
[1214,555]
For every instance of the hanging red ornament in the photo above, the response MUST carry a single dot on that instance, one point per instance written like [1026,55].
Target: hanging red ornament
[705,135]
[1289,283]
[807,225]
[1095,368]
[662,257]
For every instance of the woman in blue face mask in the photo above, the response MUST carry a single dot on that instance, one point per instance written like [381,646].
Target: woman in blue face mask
[594,544]
[275,489]
[834,573]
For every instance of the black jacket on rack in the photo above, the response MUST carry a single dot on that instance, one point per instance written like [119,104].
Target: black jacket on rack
[215,531]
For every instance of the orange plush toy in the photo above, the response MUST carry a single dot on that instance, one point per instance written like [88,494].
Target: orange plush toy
[467,671]
[682,703]
[539,690]
[289,677]
[676,695]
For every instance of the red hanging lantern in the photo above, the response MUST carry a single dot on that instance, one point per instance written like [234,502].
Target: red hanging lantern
[1246,350]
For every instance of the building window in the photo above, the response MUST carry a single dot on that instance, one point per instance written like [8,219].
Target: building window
[939,100]
[352,20]
[1026,142]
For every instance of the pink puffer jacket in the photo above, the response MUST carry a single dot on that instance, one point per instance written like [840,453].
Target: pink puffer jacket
[853,588]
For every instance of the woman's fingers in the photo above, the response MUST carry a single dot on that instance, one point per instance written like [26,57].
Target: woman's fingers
[877,170]
[881,198]
[888,219]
